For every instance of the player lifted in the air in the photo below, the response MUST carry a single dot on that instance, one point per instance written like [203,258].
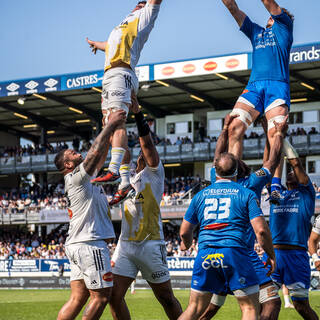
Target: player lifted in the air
[122,51]
[268,90]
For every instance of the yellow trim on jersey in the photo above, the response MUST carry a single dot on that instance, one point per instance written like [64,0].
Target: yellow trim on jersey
[123,52]
[149,224]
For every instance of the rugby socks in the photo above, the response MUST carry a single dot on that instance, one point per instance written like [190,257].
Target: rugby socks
[125,175]
[275,184]
[117,155]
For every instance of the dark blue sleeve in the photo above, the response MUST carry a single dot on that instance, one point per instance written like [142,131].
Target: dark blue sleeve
[249,28]
[309,189]
[258,180]
[191,214]
[254,206]
[283,20]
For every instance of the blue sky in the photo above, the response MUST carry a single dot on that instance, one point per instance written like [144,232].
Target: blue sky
[42,37]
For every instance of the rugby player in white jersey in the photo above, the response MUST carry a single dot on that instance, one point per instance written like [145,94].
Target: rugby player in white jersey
[123,50]
[90,227]
[141,245]
[314,242]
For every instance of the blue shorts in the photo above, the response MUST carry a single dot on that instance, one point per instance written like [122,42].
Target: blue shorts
[217,269]
[259,268]
[293,269]
[265,95]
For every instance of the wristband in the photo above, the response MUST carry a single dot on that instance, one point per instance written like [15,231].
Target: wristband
[142,125]
[315,258]
[289,150]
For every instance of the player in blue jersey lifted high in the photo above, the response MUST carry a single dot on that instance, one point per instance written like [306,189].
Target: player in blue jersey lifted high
[290,224]
[268,90]
[223,210]
[268,296]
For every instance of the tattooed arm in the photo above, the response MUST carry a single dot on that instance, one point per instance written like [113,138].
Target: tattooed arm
[98,148]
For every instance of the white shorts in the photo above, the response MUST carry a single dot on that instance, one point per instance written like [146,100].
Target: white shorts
[90,261]
[117,85]
[148,257]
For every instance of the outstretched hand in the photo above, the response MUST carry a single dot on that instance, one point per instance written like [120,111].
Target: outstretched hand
[134,108]
[228,119]
[92,45]
[117,118]
[282,127]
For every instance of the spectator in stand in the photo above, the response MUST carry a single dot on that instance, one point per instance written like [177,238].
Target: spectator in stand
[313,131]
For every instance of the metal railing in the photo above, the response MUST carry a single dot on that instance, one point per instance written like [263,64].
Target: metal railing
[203,151]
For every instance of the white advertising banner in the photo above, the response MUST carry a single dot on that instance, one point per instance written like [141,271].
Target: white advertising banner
[143,73]
[54,216]
[201,67]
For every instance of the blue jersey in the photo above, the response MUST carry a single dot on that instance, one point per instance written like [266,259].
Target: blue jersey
[223,210]
[255,182]
[271,48]
[290,220]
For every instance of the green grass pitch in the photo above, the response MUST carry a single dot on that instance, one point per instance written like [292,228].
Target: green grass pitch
[45,304]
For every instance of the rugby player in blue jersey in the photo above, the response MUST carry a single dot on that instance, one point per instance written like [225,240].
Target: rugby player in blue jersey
[268,296]
[268,90]
[223,211]
[290,228]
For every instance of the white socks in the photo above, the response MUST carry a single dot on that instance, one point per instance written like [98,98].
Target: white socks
[117,155]
[286,300]
[125,176]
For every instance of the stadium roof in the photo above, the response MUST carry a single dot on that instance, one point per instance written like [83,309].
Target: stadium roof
[68,105]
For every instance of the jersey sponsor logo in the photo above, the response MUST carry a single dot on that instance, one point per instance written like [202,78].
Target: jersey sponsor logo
[189,68]
[168,71]
[210,66]
[159,274]
[232,63]
[108,277]
[260,173]
[245,91]
[214,192]
[213,261]
[117,94]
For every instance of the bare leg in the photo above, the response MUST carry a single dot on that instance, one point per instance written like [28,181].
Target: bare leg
[198,303]
[98,300]
[270,310]
[249,306]
[304,309]
[78,298]
[164,294]
[238,128]
[118,306]
[211,311]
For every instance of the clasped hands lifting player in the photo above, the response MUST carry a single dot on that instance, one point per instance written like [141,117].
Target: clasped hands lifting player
[122,51]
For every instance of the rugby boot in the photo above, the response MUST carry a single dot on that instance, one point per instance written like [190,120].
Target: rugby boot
[123,194]
[108,178]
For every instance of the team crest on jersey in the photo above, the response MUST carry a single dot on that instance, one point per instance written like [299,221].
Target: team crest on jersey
[260,173]
[70,213]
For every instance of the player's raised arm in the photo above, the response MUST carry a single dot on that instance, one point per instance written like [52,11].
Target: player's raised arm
[98,148]
[222,143]
[149,151]
[272,7]
[238,15]
[294,160]
[275,152]
[96,45]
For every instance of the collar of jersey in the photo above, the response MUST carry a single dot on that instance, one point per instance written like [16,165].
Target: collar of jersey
[223,180]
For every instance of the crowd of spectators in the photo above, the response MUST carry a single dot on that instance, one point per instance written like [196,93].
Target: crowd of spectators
[26,245]
[34,198]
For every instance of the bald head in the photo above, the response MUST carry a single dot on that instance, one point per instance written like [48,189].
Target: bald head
[226,165]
